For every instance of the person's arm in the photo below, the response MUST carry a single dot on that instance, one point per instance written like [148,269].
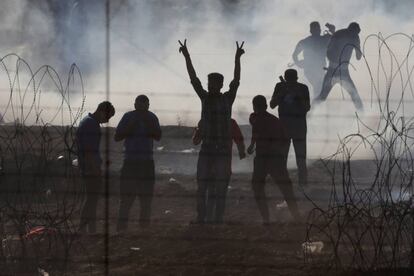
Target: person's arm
[277,96]
[295,55]
[250,148]
[124,129]
[239,53]
[196,136]
[358,51]
[306,99]
[331,29]
[252,121]
[238,139]
[191,71]
[153,126]
[90,139]
[234,85]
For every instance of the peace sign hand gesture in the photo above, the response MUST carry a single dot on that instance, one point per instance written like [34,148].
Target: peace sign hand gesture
[240,50]
[183,48]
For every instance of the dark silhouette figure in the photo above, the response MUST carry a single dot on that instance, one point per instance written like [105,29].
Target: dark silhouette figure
[236,137]
[88,138]
[339,53]
[313,49]
[271,141]
[213,172]
[292,98]
[139,129]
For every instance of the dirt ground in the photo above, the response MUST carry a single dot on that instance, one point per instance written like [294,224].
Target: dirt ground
[173,246]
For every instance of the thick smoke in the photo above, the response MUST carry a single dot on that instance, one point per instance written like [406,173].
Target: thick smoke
[144,48]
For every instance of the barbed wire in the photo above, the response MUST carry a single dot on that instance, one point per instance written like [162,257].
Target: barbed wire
[37,209]
[371,228]
[364,228]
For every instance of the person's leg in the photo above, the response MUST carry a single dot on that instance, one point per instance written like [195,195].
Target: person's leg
[88,214]
[315,77]
[203,180]
[327,85]
[349,86]
[281,177]
[211,198]
[299,143]
[128,189]
[146,181]
[222,181]
[258,186]
[287,124]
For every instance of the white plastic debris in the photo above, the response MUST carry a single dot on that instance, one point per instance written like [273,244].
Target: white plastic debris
[191,150]
[312,247]
[167,212]
[60,157]
[75,162]
[282,205]
[42,272]
[172,180]
[160,148]
[135,248]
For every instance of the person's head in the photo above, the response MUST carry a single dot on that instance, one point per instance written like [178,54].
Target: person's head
[315,28]
[215,82]
[354,27]
[104,112]
[141,103]
[259,104]
[291,75]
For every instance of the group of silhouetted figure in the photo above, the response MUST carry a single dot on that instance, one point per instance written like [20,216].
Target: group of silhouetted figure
[337,47]
[271,136]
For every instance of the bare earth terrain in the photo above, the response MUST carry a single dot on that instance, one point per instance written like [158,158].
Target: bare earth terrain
[172,246]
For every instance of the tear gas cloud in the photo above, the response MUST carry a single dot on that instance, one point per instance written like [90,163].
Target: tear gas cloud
[145,58]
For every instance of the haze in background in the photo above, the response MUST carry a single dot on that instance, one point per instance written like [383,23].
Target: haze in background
[145,58]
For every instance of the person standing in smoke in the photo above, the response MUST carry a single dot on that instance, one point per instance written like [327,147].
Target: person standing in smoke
[139,128]
[292,98]
[212,167]
[236,137]
[339,53]
[313,49]
[88,139]
[270,139]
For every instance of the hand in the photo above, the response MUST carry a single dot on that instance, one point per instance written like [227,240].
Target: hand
[250,149]
[240,50]
[183,48]
[242,155]
[331,28]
